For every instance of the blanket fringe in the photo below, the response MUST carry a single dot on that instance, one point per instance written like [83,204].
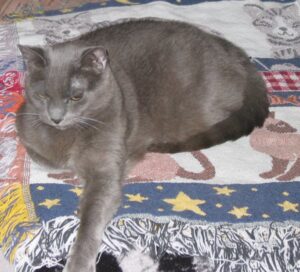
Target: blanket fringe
[227,247]
[16,222]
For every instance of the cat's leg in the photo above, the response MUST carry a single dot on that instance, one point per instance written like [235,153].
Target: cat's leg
[292,173]
[38,158]
[278,167]
[100,201]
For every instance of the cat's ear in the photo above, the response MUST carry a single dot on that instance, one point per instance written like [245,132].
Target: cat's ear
[253,10]
[94,60]
[34,57]
[291,9]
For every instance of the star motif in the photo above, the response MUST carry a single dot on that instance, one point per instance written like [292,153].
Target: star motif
[224,191]
[159,187]
[40,188]
[265,215]
[240,212]
[78,191]
[183,202]
[136,198]
[289,206]
[285,193]
[49,203]
[219,205]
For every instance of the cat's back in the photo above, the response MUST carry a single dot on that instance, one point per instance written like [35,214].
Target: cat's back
[128,29]
[163,42]
[136,38]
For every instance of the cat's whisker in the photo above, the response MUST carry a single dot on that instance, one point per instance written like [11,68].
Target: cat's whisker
[87,124]
[37,123]
[93,120]
[91,126]
[78,127]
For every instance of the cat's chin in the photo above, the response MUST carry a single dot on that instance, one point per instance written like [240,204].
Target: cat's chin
[59,127]
[62,127]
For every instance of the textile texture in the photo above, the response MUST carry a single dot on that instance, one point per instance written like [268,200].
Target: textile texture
[232,207]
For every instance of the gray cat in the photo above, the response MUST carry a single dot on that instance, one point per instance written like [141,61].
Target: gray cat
[97,104]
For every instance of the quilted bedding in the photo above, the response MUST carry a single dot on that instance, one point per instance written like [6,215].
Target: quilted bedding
[235,204]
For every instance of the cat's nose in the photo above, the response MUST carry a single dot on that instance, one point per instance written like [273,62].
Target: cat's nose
[66,31]
[283,28]
[56,120]
[56,111]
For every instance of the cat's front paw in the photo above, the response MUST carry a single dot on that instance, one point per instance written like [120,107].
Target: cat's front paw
[78,265]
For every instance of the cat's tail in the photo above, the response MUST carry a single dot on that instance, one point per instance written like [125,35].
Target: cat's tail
[240,123]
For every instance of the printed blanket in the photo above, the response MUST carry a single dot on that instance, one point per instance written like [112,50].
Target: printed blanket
[235,205]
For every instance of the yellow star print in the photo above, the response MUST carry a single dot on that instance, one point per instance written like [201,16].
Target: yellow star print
[239,212]
[289,206]
[265,215]
[224,191]
[40,188]
[183,202]
[219,205]
[49,203]
[77,191]
[136,198]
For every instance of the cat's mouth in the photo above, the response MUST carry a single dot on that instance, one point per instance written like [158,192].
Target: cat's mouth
[61,127]
[286,33]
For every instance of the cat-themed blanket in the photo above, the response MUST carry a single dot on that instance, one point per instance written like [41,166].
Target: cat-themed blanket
[232,207]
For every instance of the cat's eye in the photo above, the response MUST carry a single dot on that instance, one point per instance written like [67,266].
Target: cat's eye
[76,97]
[295,25]
[42,96]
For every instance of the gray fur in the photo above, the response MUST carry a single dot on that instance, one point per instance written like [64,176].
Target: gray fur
[163,86]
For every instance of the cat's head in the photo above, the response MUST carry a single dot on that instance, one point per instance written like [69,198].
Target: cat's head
[67,86]
[276,125]
[278,23]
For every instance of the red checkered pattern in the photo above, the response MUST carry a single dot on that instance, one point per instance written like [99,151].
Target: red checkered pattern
[282,81]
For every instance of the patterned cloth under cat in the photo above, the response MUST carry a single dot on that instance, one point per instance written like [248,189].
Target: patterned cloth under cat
[233,207]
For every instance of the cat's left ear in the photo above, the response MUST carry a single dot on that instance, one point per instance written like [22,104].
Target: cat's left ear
[291,9]
[33,56]
[94,60]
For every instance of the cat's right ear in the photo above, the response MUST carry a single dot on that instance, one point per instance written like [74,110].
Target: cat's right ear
[94,60]
[34,57]
[253,10]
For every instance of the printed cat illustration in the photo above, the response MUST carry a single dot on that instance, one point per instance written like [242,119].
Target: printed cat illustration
[157,167]
[163,167]
[279,140]
[282,27]
[57,31]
